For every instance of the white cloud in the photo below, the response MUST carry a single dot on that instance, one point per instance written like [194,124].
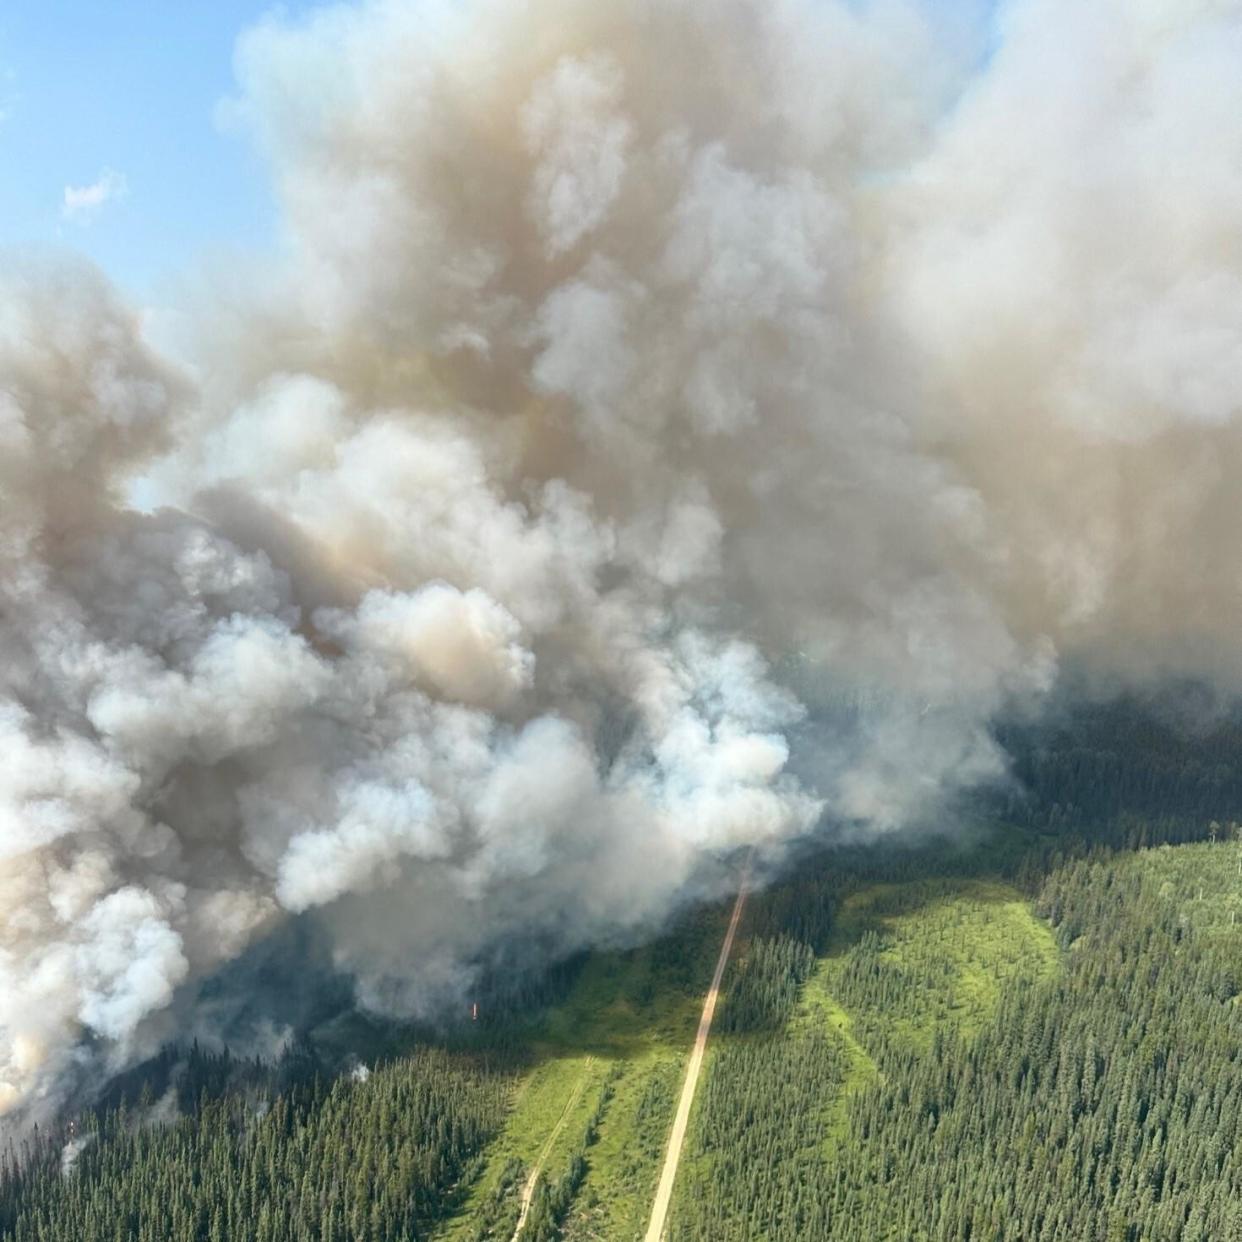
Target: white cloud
[81,202]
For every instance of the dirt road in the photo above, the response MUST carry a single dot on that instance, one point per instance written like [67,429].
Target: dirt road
[528,1191]
[668,1175]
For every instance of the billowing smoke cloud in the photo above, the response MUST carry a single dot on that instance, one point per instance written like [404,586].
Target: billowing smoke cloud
[671,422]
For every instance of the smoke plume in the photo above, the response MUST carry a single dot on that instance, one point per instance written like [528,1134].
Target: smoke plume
[670,424]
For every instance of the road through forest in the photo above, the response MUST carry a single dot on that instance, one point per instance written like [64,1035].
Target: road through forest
[528,1191]
[668,1175]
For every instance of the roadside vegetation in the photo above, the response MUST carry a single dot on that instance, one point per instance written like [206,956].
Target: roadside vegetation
[593,1112]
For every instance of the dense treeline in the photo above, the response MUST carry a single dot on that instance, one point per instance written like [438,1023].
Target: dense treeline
[1101,1104]
[761,1130]
[804,906]
[1134,777]
[1105,1103]
[369,1156]
[765,984]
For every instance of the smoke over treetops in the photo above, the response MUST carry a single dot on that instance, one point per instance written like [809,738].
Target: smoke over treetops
[642,382]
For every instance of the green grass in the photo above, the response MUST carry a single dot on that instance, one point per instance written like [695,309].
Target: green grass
[625,1164]
[626,1027]
[958,942]
[946,947]
[819,1011]
[950,945]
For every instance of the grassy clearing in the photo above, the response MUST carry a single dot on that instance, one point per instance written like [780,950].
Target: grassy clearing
[909,961]
[625,1164]
[951,946]
[904,962]
[818,1011]
[615,1048]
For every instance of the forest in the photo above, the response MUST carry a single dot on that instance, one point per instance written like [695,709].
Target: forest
[1029,1030]
[1100,1100]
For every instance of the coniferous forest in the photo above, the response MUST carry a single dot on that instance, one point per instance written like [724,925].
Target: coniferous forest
[1102,1102]
[372,1157]
[1031,1030]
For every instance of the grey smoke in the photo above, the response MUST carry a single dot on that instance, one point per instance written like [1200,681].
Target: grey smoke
[643,383]
[70,1152]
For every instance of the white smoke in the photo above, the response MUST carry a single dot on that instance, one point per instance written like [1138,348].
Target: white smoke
[70,1152]
[657,399]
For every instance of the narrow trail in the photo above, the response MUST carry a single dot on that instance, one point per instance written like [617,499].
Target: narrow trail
[528,1191]
[672,1158]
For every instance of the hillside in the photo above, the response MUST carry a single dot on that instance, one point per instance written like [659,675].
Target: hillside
[900,1055]
[1028,1030]
[962,1065]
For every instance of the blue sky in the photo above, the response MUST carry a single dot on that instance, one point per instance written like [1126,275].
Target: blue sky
[130,86]
[117,99]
